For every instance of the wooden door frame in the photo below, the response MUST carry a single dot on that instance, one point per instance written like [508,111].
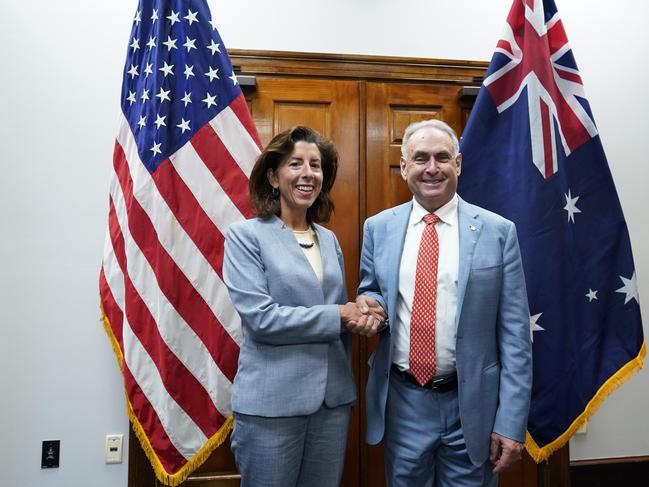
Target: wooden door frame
[358,67]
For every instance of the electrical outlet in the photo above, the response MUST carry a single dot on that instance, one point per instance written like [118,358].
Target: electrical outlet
[114,448]
[50,454]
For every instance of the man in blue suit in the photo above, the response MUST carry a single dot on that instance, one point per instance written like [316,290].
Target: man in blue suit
[449,384]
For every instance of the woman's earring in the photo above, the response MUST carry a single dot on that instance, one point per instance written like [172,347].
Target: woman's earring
[275,192]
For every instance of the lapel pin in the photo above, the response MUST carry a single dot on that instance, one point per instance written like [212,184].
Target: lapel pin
[472,228]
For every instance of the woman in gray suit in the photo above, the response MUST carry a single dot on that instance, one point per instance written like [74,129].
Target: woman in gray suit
[293,391]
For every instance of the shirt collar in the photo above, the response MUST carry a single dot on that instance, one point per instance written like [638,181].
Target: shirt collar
[446,213]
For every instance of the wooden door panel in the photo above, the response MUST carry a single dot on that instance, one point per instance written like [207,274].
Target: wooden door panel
[315,115]
[391,107]
[402,116]
[523,473]
[332,108]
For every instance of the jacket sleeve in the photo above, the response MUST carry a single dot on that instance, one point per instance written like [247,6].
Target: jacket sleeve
[514,345]
[368,285]
[341,262]
[262,317]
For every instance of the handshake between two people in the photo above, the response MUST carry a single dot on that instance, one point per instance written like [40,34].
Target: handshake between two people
[365,317]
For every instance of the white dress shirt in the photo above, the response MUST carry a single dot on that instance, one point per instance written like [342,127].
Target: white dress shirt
[447,272]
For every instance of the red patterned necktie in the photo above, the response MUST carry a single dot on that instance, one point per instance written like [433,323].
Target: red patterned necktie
[423,317]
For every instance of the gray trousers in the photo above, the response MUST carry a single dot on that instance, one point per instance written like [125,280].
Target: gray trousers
[424,441]
[292,451]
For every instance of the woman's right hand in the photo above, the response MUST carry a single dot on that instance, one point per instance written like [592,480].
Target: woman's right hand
[359,322]
[349,313]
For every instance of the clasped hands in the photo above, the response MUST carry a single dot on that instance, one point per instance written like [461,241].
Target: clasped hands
[364,317]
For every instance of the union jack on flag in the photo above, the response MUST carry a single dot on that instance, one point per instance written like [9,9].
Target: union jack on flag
[182,157]
[540,59]
[532,153]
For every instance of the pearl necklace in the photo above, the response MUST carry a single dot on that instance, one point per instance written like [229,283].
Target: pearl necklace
[304,245]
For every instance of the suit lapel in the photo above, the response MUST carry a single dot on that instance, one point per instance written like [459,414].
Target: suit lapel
[469,228]
[329,262]
[395,236]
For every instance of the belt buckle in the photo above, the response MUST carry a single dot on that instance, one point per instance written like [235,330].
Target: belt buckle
[438,383]
[441,383]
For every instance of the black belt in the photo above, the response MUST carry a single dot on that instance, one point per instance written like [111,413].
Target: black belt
[437,384]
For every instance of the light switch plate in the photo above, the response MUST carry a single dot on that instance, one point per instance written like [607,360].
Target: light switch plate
[113,452]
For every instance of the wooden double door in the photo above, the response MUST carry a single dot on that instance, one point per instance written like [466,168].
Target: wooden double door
[365,119]
[363,104]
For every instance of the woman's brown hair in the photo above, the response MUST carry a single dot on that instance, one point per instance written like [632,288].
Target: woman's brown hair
[280,147]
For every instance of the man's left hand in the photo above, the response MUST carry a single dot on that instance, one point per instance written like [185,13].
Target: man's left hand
[504,452]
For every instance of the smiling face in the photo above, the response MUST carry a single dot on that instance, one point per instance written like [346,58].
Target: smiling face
[299,180]
[431,168]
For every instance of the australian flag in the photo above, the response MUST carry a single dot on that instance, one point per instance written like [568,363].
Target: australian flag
[532,153]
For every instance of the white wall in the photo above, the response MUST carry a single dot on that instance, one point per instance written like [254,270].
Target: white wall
[60,83]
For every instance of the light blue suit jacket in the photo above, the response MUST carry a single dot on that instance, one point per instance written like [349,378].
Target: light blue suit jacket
[493,347]
[295,354]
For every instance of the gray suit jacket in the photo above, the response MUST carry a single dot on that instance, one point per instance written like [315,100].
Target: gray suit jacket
[295,353]
[493,346]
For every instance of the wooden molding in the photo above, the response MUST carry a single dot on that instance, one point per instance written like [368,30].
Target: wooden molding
[353,66]
[214,477]
[609,461]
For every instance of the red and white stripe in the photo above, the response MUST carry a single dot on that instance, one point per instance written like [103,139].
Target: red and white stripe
[161,280]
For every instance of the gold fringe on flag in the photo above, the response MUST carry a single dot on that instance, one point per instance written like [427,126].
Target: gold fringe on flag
[540,454]
[197,460]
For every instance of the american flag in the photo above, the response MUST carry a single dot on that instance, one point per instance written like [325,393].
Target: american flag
[183,154]
[532,152]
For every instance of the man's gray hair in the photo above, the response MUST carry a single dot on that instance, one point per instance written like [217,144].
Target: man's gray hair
[437,124]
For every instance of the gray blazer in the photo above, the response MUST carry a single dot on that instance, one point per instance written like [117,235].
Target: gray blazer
[295,354]
[493,348]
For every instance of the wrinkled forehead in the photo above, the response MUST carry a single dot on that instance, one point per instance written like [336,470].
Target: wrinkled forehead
[429,138]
